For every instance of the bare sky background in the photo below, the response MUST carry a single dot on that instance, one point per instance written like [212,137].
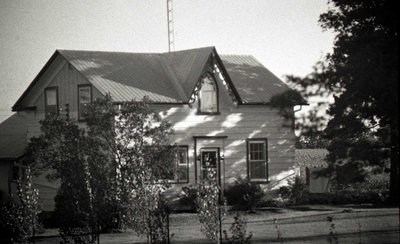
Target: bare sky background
[284,35]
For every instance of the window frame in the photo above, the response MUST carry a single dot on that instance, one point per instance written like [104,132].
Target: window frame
[46,111]
[218,162]
[249,161]
[16,172]
[199,110]
[177,165]
[80,117]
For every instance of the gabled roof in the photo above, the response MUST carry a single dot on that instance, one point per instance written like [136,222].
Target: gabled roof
[167,77]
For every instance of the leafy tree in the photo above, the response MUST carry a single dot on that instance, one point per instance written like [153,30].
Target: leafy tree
[117,163]
[312,141]
[19,216]
[62,151]
[362,76]
[136,139]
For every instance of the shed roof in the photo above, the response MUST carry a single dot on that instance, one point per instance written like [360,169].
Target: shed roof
[13,136]
[12,146]
[311,157]
[167,77]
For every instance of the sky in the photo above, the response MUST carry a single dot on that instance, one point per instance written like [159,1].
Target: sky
[284,35]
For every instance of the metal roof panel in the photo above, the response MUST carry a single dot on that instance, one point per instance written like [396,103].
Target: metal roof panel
[254,82]
[168,77]
[127,76]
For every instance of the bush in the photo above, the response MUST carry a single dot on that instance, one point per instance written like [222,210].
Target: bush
[208,208]
[158,222]
[238,231]
[346,198]
[244,195]
[373,189]
[377,183]
[13,227]
[188,196]
[19,216]
[277,202]
[298,191]
[295,193]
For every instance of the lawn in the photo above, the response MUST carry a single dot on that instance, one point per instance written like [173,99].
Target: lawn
[296,225]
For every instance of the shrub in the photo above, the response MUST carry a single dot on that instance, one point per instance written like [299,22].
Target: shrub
[158,222]
[378,183]
[238,231]
[13,227]
[277,202]
[346,198]
[19,217]
[295,193]
[244,195]
[374,189]
[208,208]
[188,196]
[298,191]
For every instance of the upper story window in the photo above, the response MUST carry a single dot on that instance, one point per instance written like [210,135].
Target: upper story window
[84,98]
[51,101]
[208,96]
[257,160]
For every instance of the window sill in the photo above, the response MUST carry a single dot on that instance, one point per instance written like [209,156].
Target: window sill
[259,181]
[208,113]
[178,182]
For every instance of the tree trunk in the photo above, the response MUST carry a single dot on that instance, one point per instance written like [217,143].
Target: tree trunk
[394,165]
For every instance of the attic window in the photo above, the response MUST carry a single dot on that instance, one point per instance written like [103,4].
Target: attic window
[84,98]
[51,101]
[208,96]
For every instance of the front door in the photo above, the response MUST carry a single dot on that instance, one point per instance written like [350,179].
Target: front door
[210,160]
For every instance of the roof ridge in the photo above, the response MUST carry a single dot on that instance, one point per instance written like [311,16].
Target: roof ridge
[232,54]
[102,51]
[126,52]
[188,50]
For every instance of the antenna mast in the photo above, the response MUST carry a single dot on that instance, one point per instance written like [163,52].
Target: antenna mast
[170,18]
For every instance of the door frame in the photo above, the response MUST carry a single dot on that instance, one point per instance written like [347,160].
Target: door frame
[218,157]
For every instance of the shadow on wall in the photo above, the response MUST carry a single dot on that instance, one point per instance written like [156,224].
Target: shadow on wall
[237,126]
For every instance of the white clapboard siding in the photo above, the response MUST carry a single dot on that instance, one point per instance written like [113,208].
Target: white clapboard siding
[234,124]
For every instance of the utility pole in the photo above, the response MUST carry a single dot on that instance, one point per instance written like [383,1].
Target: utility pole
[170,19]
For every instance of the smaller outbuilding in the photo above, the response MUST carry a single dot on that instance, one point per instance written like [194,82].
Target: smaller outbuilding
[312,166]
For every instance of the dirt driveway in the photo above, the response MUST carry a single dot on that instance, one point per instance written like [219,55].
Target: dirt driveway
[303,224]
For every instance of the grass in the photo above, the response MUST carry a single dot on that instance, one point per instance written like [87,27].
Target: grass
[302,224]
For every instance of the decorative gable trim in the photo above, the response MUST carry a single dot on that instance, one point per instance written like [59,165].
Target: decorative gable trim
[215,67]
[220,68]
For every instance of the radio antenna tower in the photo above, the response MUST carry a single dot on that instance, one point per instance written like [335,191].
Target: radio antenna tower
[170,18]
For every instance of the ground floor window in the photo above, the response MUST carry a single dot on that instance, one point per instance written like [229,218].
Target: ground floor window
[257,160]
[182,164]
[180,172]
[17,172]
